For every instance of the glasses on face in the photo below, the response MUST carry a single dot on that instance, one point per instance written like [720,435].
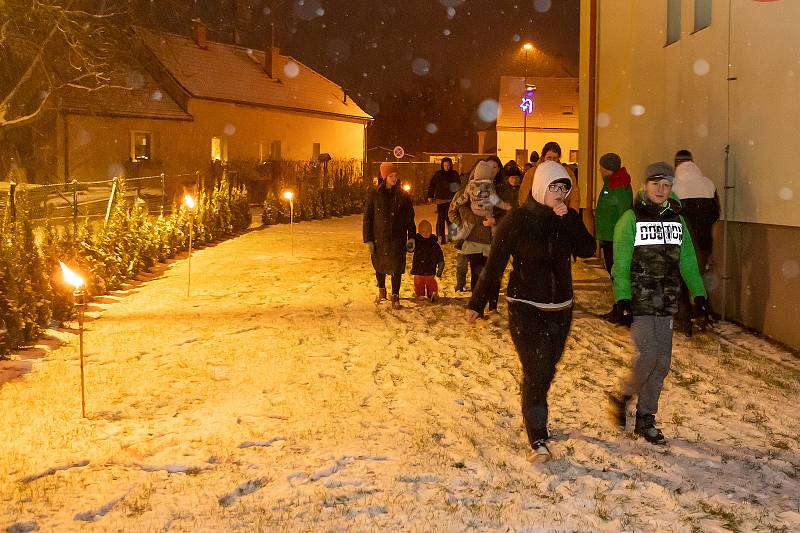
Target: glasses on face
[558,187]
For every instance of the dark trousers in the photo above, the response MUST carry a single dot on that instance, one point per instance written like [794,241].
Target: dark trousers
[476,263]
[608,254]
[539,337]
[395,281]
[442,220]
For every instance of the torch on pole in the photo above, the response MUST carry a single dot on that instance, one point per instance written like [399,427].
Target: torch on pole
[79,294]
[289,195]
[190,205]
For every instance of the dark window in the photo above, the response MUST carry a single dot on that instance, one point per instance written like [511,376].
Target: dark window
[673,21]
[702,14]
[141,145]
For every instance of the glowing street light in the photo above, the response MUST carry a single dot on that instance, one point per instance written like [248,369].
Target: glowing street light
[79,293]
[289,195]
[191,206]
[407,187]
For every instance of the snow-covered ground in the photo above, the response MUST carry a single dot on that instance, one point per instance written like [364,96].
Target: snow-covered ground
[280,397]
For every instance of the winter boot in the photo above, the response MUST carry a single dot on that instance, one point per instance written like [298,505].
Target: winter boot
[396,301]
[646,427]
[617,410]
[539,452]
[612,316]
[381,296]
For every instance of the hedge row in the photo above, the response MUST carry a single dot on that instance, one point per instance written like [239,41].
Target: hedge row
[316,204]
[32,292]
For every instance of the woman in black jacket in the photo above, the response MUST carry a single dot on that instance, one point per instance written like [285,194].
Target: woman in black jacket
[443,186]
[389,231]
[540,237]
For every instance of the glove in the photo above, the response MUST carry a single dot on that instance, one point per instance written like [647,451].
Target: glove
[624,313]
[702,309]
[410,245]
[439,269]
[371,247]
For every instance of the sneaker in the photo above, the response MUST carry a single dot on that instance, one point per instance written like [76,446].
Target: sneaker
[539,452]
[617,410]
[646,427]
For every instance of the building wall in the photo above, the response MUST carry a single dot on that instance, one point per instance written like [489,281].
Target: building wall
[246,127]
[654,99]
[99,147]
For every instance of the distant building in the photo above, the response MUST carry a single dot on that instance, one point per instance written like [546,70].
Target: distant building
[195,102]
[722,80]
[552,105]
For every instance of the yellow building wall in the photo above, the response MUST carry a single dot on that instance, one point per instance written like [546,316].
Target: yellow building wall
[684,99]
[98,148]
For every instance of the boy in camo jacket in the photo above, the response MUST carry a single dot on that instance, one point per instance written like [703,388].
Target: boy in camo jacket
[652,252]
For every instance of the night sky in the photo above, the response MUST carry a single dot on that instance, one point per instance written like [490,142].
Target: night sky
[421,67]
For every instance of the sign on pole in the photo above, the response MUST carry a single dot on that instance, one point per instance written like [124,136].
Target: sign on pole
[399,152]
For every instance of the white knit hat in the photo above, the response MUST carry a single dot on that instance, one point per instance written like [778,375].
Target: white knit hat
[484,171]
[546,173]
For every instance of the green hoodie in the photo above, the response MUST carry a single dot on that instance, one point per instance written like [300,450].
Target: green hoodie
[652,251]
[615,198]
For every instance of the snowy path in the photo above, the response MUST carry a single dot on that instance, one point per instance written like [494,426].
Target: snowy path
[280,397]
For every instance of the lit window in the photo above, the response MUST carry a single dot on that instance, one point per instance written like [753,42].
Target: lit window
[141,145]
[673,21]
[216,149]
[702,14]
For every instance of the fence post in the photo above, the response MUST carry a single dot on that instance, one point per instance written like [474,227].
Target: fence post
[74,185]
[163,193]
[111,200]
[12,204]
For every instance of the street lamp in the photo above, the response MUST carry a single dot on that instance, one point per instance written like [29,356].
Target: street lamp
[526,47]
[289,195]
[407,187]
[79,293]
[190,205]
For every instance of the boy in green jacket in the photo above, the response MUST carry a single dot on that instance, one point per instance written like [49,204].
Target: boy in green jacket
[652,252]
[615,198]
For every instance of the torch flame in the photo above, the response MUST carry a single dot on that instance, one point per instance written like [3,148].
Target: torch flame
[189,201]
[71,277]
[288,195]
[406,187]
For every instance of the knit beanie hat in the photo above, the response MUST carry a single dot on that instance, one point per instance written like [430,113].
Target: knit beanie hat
[611,161]
[483,171]
[387,168]
[546,173]
[659,171]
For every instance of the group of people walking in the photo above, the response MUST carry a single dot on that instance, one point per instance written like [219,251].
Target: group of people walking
[655,245]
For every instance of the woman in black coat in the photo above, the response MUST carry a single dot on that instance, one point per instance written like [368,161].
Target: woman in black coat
[541,237]
[389,231]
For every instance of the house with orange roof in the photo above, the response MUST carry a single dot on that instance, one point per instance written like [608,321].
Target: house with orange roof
[193,103]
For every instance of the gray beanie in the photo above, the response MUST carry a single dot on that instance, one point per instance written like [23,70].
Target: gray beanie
[611,161]
[659,171]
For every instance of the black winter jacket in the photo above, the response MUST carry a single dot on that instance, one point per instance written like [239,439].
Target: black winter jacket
[541,245]
[444,184]
[389,223]
[427,256]
[700,215]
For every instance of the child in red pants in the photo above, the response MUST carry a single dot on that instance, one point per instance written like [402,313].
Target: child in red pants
[428,262]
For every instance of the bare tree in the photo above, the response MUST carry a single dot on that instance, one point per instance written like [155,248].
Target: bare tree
[48,46]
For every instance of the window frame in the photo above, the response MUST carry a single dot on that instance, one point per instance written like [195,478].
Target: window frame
[135,134]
